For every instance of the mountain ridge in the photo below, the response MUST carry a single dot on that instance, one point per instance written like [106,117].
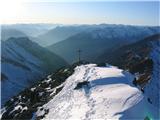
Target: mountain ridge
[98,40]
[30,63]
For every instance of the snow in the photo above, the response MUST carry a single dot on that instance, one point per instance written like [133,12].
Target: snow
[25,108]
[121,32]
[153,87]
[109,95]
[18,107]
[47,80]
[18,78]
[55,89]
[3,110]
[32,89]
[40,112]
[17,81]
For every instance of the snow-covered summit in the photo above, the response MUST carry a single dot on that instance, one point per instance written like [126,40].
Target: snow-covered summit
[98,93]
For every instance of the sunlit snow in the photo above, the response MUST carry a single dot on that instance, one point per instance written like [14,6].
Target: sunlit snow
[109,95]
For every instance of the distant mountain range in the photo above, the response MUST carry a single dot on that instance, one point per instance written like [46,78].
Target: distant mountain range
[61,33]
[96,39]
[29,29]
[23,62]
[8,33]
[58,34]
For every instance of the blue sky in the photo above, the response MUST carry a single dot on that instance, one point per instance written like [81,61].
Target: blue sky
[135,13]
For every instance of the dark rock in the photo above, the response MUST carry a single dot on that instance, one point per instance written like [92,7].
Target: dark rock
[81,84]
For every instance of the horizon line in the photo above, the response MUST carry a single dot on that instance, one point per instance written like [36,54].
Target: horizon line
[78,24]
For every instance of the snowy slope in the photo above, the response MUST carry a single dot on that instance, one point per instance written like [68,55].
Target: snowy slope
[23,62]
[153,87]
[19,67]
[108,95]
